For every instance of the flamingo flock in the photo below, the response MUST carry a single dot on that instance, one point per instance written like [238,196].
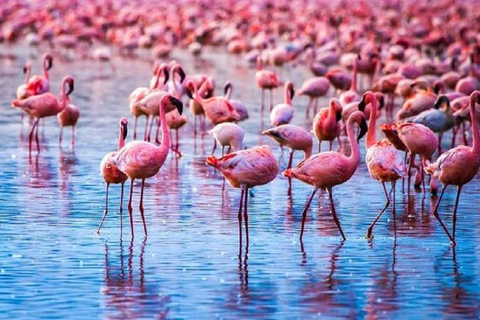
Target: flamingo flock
[360,60]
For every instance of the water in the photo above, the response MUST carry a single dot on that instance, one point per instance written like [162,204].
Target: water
[53,264]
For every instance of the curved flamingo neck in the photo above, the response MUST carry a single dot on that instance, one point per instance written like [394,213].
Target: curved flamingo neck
[286,95]
[121,140]
[355,153]
[476,135]
[45,69]
[228,93]
[28,70]
[353,87]
[371,134]
[196,96]
[165,134]
[332,110]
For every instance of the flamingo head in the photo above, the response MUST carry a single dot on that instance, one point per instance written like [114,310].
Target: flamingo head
[363,128]
[381,100]
[68,80]
[190,88]
[175,103]
[212,161]
[227,88]
[366,99]
[443,99]
[48,61]
[16,103]
[123,125]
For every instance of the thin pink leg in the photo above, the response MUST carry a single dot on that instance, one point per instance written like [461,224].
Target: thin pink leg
[73,136]
[459,189]
[245,214]
[135,128]
[290,159]
[435,213]
[105,212]
[121,205]
[240,217]
[334,214]
[130,208]
[370,228]
[141,207]
[60,137]
[304,214]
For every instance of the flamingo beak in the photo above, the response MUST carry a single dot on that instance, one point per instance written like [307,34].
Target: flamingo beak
[363,129]
[292,93]
[361,105]
[124,130]
[166,75]
[182,74]
[177,103]
[49,62]
[70,87]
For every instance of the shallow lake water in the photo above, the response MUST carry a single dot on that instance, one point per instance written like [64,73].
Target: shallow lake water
[54,265]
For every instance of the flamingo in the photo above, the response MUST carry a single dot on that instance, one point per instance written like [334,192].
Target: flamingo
[457,166]
[227,134]
[44,105]
[237,104]
[418,139]
[41,84]
[283,113]
[314,88]
[328,169]
[351,94]
[246,169]
[22,92]
[265,80]
[111,173]
[142,159]
[293,137]
[423,99]
[382,158]
[326,124]
[217,109]
[175,121]
[68,117]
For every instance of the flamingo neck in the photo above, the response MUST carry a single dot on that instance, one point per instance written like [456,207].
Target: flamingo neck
[286,96]
[355,153]
[332,110]
[27,75]
[45,70]
[121,141]
[476,134]
[353,87]
[165,134]
[228,94]
[371,133]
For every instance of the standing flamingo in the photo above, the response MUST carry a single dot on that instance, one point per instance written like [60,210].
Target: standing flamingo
[227,134]
[326,125]
[41,84]
[293,137]
[283,113]
[22,90]
[246,169]
[382,158]
[328,169]
[314,88]
[142,159]
[68,117]
[44,105]
[111,173]
[265,80]
[458,166]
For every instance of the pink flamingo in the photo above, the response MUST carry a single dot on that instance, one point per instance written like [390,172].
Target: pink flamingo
[44,105]
[22,92]
[326,124]
[217,109]
[40,84]
[292,137]
[283,113]
[227,134]
[351,94]
[68,117]
[314,88]
[246,169]
[382,158]
[265,80]
[328,169]
[111,173]
[458,166]
[142,159]
[237,104]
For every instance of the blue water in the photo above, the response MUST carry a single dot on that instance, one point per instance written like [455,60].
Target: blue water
[54,265]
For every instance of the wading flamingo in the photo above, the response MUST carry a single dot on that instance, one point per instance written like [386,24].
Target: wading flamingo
[227,134]
[111,173]
[457,166]
[22,92]
[328,169]
[282,113]
[246,169]
[44,105]
[142,159]
[383,160]
[68,117]
[265,80]
[40,84]
[314,88]
[326,125]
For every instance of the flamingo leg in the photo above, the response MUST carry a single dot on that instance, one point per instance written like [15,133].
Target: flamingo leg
[215,147]
[130,208]
[177,145]
[304,213]
[459,189]
[263,100]
[141,207]
[229,149]
[290,159]
[410,164]
[121,205]
[309,106]
[271,100]
[315,107]
[73,136]
[60,137]
[440,134]
[36,136]
[370,228]
[240,217]
[245,215]
[105,212]
[135,128]
[334,214]
[435,213]
[146,128]
[157,141]
[393,210]
[30,136]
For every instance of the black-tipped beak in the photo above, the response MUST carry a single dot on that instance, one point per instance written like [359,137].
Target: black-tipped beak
[166,75]
[361,105]
[292,93]
[182,74]
[442,99]
[363,129]
[189,92]
[177,103]
[228,86]
[381,102]
[124,130]
[338,115]
[49,62]
[25,70]
[70,86]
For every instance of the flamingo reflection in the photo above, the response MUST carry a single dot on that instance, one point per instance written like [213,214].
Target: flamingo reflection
[127,295]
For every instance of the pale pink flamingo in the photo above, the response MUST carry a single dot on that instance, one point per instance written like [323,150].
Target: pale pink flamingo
[206,87]
[40,84]
[328,169]
[382,158]
[282,113]
[351,94]
[142,159]
[68,117]
[470,83]
[227,134]
[44,105]
[292,137]
[423,99]
[265,80]
[458,166]
[111,173]
[339,78]
[237,104]
[217,109]
[175,121]
[420,140]
[326,125]
[246,169]
[314,88]
[141,92]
